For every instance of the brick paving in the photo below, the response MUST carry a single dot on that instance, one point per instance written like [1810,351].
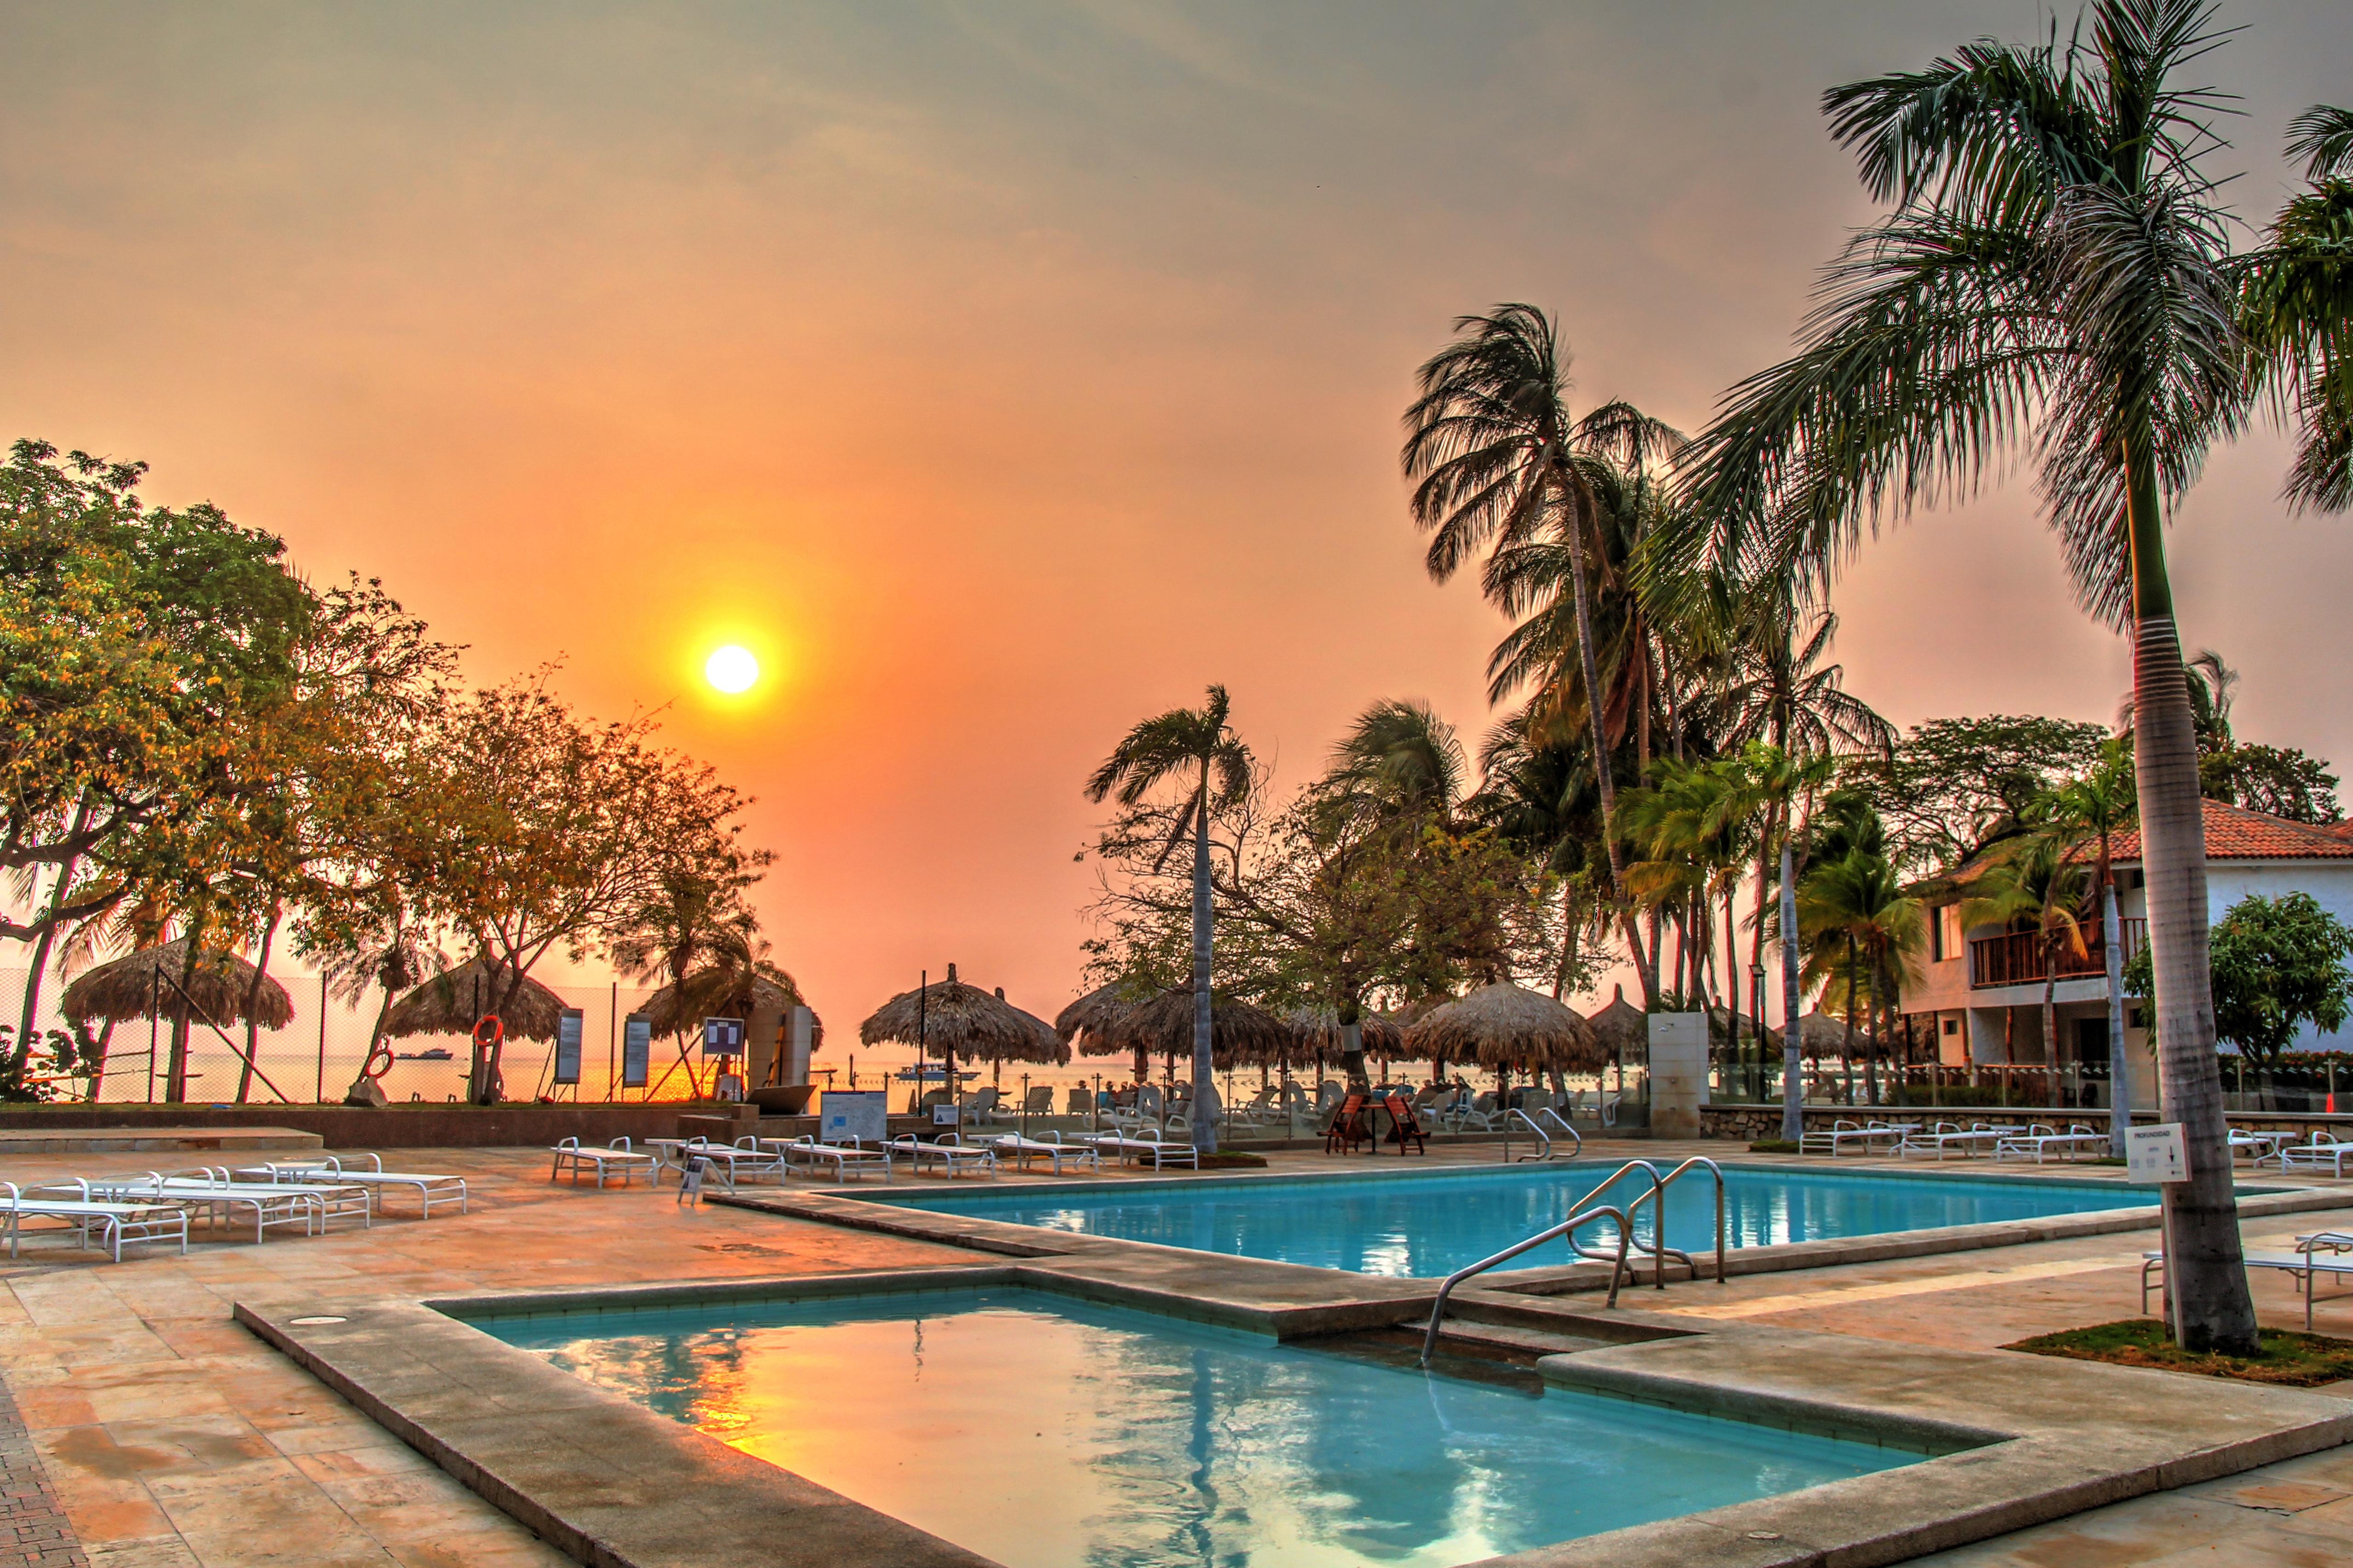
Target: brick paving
[34,1532]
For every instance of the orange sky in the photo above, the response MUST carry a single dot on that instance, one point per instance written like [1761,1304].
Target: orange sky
[1001,373]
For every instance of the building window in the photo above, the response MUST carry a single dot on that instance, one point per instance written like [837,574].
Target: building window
[1952,1026]
[1944,933]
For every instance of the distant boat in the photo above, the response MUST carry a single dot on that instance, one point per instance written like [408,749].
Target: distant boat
[437,1053]
[928,1074]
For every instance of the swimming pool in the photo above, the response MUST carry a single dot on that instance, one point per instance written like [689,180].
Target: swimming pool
[1428,1225]
[1050,1433]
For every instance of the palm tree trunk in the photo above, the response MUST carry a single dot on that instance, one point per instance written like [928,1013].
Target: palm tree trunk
[98,1061]
[1205,1113]
[2120,1097]
[1871,1060]
[1589,671]
[2051,1013]
[253,1001]
[1732,984]
[1849,1047]
[2204,1263]
[175,1076]
[1793,1068]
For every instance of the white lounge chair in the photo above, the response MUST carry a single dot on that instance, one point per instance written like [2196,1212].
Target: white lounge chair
[1949,1137]
[845,1159]
[2324,1151]
[116,1224]
[270,1206]
[374,1179]
[1161,1152]
[2330,1252]
[1022,1151]
[2040,1143]
[946,1152]
[1867,1137]
[616,1158]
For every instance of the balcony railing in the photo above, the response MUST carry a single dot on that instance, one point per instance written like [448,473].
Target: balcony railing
[2017,959]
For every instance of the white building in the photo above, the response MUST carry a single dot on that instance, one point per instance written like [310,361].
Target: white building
[1979,994]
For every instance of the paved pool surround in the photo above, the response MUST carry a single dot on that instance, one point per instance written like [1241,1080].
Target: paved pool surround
[2016,1440]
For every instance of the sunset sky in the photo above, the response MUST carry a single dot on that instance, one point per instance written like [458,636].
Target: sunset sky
[1001,374]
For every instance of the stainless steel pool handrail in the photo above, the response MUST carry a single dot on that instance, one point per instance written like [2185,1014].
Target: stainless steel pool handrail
[1656,1196]
[1576,1137]
[1566,1228]
[1515,1113]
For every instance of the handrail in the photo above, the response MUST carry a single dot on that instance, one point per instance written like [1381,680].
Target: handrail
[1562,1122]
[1531,1123]
[1659,1247]
[1566,1228]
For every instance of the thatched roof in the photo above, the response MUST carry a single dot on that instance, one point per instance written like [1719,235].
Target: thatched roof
[1622,1028]
[1318,1029]
[1719,1028]
[1240,1034]
[1505,1025]
[948,1016]
[452,1002]
[1821,1034]
[125,988]
[1089,1022]
[722,996]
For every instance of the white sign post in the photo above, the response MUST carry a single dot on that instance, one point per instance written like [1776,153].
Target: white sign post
[2156,1153]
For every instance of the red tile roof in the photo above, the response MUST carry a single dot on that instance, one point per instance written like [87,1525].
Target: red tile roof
[2234,833]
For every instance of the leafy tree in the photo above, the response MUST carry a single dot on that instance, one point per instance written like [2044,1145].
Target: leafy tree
[1162,747]
[2280,780]
[1952,785]
[2279,964]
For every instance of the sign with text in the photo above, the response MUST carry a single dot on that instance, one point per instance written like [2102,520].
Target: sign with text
[855,1116]
[2156,1153]
[946,1115]
[723,1036]
[568,1025]
[637,1050]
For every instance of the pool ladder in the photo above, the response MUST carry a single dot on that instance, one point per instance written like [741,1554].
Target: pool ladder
[1567,1229]
[1576,1139]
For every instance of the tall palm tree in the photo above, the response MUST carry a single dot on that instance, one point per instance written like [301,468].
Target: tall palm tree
[2097,807]
[2053,275]
[2296,310]
[1159,749]
[1856,909]
[1403,758]
[1492,449]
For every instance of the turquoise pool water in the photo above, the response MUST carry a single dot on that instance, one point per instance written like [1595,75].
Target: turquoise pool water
[1049,1433]
[1432,1225]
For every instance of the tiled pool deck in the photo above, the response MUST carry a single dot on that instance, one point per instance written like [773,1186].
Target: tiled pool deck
[167,1434]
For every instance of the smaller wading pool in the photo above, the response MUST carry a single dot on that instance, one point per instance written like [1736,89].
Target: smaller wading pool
[1429,1226]
[1047,1432]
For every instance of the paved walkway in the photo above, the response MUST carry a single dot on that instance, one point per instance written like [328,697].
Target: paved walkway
[172,1439]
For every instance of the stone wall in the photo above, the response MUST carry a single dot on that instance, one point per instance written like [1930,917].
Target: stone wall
[1750,1123]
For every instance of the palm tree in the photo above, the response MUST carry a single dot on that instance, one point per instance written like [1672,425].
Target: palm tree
[2098,807]
[1855,907]
[1538,796]
[2052,274]
[1405,759]
[2039,882]
[1494,450]
[698,937]
[2296,310]
[1160,749]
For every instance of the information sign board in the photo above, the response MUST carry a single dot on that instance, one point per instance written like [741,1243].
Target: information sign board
[637,1050]
[2156,1153]
[854,1116]
[723,1036]
[568,1025]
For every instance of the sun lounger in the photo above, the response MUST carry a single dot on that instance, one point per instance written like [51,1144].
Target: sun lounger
[1951,1137]
[2330,1252]
[616,1158]
[2324,1151]
[844,1158]
[2259,1146]
[270,1206]
[1159,1151]
[1022,1151]
[115,1223]
[374,1179]
[731,1163]
[2039,1142]
[1844,1133]
[946,1153]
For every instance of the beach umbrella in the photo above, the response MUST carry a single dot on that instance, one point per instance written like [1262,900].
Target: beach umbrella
[1318,1029]
[1504,1026]
[124,988]
[1719,1028]
[1091,1023]
[948,1019]
[1623,1029]
[1240,1034]
[723,994]
[454,1002]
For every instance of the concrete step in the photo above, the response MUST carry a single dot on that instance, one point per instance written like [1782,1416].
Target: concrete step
[1503,1342]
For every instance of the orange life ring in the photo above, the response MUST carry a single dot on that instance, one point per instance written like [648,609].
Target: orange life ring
[496,1030]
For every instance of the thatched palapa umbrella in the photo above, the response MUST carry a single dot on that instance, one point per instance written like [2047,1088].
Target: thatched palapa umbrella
[453,1002]
[164,983]
[1092,1025]
[1238,1031]
[723,995]
[947,1018]
[1504,1025]
[1623,1029]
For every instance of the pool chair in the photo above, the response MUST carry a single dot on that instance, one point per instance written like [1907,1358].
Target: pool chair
[984,1108]
[1020,1151]
[1160,1152]
[844,1160]
[115,1225]
[1079,1103]
[2040,1143]
[950,1155]
[2326,1151]
[1952,1138]
[373,1178]
[1041,1101]
[2330,1252]
[269,1205]
[2259,1147]
[1478,1115]
[616,1158]
[1843,1135]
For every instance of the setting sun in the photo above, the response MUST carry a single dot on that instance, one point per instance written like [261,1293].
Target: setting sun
[732,670]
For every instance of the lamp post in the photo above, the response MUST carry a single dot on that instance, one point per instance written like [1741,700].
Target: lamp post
[1756,1013]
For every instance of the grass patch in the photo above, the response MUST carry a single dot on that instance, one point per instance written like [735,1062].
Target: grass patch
[1772,1146]
[2287,1358]
[1233,1160]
